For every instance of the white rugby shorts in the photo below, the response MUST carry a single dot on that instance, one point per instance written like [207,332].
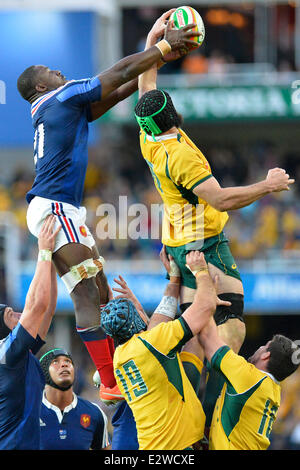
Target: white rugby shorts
[70,217]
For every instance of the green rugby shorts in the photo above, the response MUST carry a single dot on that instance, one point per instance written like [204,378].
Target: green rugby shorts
[216,251]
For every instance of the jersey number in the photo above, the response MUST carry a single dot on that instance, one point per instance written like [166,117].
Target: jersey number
[38,145]
[133,374]
[154,176]
[271,413]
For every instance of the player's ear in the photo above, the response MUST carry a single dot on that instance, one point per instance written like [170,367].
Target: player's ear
[41,88]
[266,356]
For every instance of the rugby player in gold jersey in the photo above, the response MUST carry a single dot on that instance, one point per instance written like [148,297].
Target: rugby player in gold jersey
[195,209]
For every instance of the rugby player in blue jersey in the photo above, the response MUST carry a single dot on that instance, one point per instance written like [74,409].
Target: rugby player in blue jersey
[61,110]
[68,422]
[21,336]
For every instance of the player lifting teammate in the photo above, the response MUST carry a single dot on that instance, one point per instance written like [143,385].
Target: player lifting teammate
[195,209]
[61,110]
[148,361]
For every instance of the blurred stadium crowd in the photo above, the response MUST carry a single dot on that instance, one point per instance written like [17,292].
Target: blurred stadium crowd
[236,34]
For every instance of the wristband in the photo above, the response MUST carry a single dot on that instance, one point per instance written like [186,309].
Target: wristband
[45,255]
[203,271]
[167,307]
[164,47]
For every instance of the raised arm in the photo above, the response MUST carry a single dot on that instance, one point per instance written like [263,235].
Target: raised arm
[209,339]
[98,108]
[101,107]
[130,67]
[48,315]
[224,199]
[167,308]
[205,299]
[147,80]
[38,296]
[122,92]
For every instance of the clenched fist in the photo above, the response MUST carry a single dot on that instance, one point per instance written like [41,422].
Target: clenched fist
[278,180]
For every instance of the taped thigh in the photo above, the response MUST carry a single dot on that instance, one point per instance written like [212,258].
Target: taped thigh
[84,270]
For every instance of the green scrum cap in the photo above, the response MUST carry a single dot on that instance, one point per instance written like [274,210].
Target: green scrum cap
[148,124]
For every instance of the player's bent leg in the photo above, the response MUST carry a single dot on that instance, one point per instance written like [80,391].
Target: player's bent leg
[101,279]
[109,392]
[230,322]
[78,266]
[73,261]
[74,264]
[233,332]
[226,282]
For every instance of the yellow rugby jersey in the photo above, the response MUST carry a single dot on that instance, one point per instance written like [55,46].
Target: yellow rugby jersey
[247,406]
[177,167]
[151,377]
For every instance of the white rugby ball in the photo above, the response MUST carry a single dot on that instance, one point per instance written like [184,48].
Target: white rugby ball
[186,15]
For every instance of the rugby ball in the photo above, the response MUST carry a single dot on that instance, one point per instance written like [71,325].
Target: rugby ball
[187,15]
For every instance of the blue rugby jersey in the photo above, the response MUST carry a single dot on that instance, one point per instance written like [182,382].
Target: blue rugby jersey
[81,426]
[21,387]
[60,120]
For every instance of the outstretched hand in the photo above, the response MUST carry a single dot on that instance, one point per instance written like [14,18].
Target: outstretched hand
[180,38]
[128,294]
[123,289]
[158,29]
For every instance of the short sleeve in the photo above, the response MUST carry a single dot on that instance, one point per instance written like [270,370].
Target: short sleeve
[15,347]
[187,168]
[81,92]
[39,343]
[240,375]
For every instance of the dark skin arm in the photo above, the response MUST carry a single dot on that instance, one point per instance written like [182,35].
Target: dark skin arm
[98,108]
[130,67]
[101,107]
